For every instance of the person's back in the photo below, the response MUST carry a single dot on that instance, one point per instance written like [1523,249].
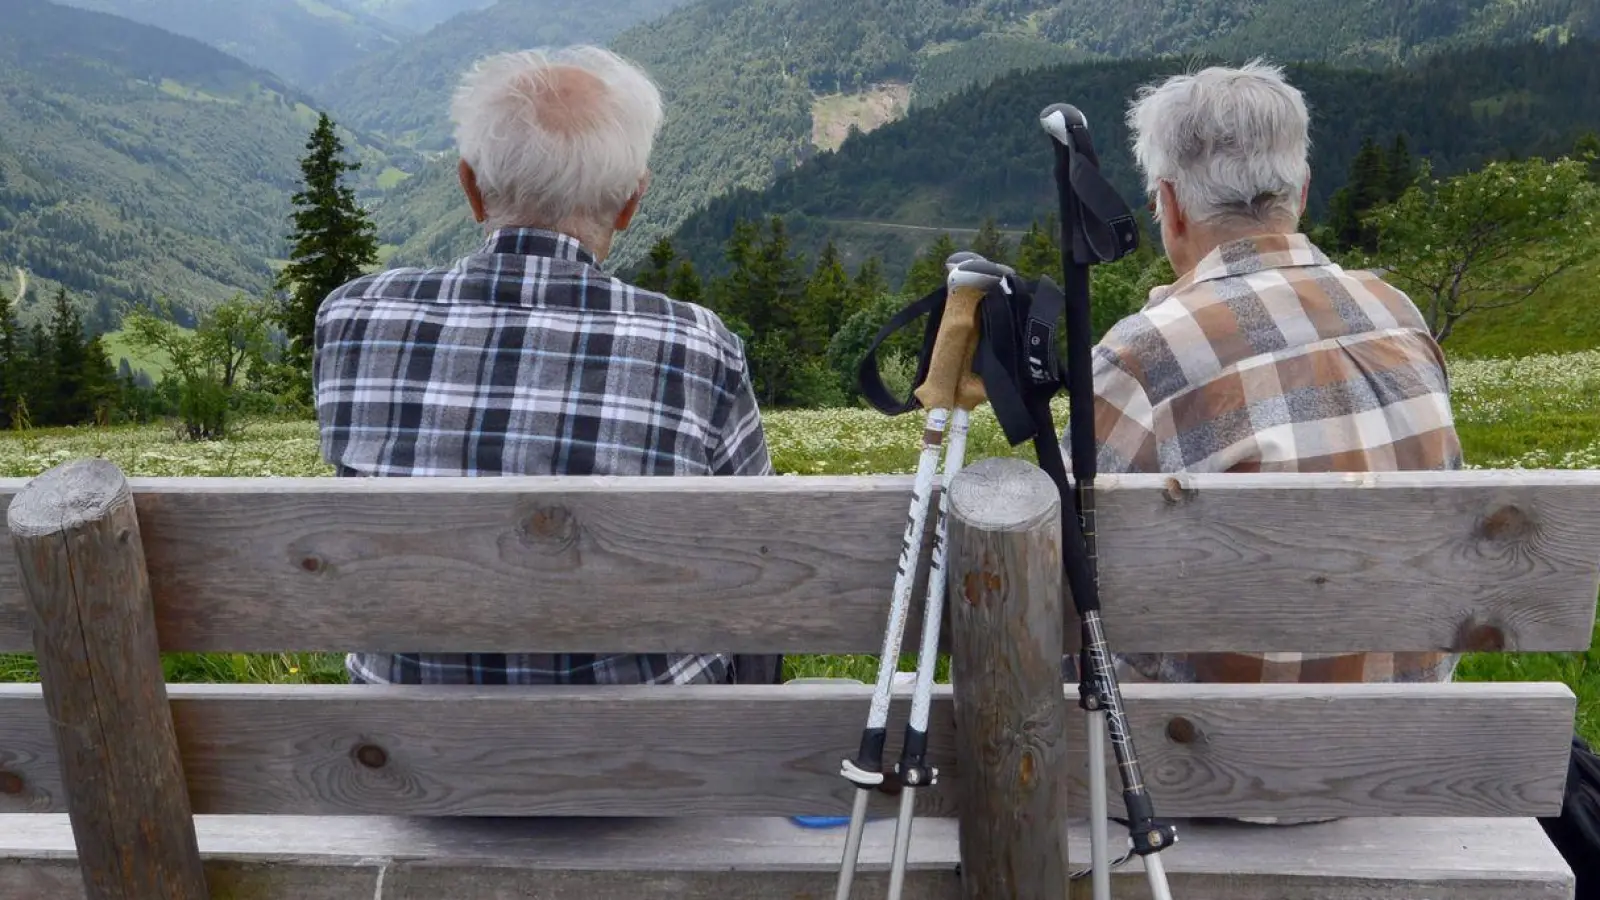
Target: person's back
[1264,356]
[524,358]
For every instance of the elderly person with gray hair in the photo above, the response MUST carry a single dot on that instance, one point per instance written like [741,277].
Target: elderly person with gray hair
[1264,356]
[524,358]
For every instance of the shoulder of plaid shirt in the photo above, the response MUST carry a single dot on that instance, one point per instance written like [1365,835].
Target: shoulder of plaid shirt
[524,358]
[1268,356]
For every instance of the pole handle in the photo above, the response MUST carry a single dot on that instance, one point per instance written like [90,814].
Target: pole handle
[951,383]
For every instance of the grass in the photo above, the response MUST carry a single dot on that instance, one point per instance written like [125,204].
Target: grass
[118,347]
[1534,412]
[1562,318]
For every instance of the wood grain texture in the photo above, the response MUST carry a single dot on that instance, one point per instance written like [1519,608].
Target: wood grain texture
[294,858]
[1391,561]
[76,539]
[1010,715]
[1254,750]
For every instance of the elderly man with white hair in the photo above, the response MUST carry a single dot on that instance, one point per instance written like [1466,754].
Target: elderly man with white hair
[1264,356]
[524,358]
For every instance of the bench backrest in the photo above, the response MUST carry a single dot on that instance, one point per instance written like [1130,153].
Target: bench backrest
[1495,561]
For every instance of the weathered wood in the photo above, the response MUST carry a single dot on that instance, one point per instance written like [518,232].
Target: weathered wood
[293,858]
[1463,560]
[76,538]
[1010,714]
[1256,750]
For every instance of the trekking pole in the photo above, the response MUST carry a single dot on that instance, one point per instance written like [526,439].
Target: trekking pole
[948,366]
[1084,194]
[969,280]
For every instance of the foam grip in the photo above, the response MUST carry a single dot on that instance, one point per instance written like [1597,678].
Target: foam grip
[953,349]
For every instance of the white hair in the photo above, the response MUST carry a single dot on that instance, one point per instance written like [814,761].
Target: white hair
[1233,143]
[554,135]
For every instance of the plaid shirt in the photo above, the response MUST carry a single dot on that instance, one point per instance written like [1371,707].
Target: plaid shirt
[1268,357]
[524,358]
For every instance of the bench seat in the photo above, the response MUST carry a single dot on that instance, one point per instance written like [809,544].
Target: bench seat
[379,858]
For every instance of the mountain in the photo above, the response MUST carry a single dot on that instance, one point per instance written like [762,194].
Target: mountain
[754,90]
[415,15]
[135,163]
[982,154]
[406,93]
[302,41]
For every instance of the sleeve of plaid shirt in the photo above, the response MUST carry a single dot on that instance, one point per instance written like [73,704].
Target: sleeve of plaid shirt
[1124,420]
[739,446]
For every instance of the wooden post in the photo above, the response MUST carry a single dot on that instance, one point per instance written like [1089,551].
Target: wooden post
[82,565]
[1010,707]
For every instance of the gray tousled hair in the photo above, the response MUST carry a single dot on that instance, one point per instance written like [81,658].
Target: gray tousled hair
[541,158]
[1234,143]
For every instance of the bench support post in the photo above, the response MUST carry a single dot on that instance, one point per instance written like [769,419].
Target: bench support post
[1010,710]
[76,536]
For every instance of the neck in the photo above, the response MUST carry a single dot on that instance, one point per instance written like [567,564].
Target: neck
[594,238]
[1205,239]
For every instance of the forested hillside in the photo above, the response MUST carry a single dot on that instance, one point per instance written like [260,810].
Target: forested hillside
[302,41]
[744,79]
[136,163]
[981,154]
[415,15]
[406,93]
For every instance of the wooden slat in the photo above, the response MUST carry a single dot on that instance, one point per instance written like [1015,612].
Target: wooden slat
[1261,750]
[1398,561]
[294,858]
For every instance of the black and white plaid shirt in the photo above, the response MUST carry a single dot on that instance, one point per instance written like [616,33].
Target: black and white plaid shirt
[524,358]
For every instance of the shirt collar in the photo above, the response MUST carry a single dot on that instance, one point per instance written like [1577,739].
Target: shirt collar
[537,242]
[1256,254]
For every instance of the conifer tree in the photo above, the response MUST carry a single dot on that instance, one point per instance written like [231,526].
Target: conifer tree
[829,301]
[990,244]
[333,241]
[869,283]
[686,284]
[659,273]
[1402,169]
[69,402]
[927,274]
[10,361]
[1040,252]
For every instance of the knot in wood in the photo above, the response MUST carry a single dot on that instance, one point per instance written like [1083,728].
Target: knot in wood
[1506,524]
[1174,491]
[10,783]
[1480,637]
[1182,731]
[313,564]
[549,523]
[372,756]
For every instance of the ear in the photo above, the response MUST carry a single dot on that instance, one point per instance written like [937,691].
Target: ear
[469,185]
[1171,214]
[625,218]
[1305,195]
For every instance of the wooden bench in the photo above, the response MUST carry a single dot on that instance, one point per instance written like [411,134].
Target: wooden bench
[363,792]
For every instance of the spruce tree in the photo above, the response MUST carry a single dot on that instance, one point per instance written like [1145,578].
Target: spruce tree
[10,361]
[686,284]
[333,240]
[869,283]
[927,274]
[1040,252]
[829,301]
[990,244]
[1402,169]
[70,404]
[659,273]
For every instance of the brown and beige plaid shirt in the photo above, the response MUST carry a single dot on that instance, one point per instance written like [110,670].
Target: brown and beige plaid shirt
[1268,357]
